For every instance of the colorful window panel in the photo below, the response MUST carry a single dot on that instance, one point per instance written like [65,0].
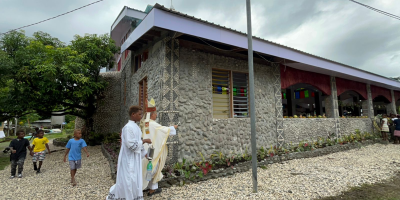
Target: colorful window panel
[220,94]
[240,98]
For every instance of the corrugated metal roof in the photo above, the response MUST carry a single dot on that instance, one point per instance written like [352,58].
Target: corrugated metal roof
[161,7]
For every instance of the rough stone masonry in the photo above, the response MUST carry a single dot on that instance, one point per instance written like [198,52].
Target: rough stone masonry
[180,80]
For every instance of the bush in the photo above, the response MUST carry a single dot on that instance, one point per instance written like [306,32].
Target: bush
[111,138]
[62,139]
[68,131]
[70,125]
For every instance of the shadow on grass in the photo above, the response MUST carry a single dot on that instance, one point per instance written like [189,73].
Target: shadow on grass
[388,190]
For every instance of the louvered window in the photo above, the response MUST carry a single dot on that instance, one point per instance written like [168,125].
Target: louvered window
[143,93]
[240,95]
[221,94]
[230,94]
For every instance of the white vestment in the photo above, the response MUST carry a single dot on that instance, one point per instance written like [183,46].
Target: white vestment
[129,183]
[158,135]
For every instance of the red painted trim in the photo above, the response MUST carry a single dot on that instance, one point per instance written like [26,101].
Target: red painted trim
[377,91]
[396,95]
[291,76]
[343,85]
[150,109]
[119,65]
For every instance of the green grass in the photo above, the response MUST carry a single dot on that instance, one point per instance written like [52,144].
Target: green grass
[2,146]
[4,139]
[55,135]
[4,162]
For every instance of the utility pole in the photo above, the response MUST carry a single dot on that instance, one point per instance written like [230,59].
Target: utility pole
[252,99]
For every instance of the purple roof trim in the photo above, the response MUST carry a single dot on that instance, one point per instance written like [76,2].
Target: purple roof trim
[175,21]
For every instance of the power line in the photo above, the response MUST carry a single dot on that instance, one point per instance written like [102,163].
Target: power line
[377,10]
[52,17]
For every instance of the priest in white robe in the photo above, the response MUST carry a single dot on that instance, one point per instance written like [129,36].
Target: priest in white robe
[158,135]
[129,172]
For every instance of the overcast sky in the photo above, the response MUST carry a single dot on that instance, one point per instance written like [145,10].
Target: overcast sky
[335,29]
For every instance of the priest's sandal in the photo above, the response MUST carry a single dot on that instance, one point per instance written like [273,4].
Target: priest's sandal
[157,191]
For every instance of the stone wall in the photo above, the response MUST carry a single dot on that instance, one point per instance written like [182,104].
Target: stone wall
[309,129]
[199,132]
[298,129]
[152,69]
[107,117]
[348,126]
[79,123]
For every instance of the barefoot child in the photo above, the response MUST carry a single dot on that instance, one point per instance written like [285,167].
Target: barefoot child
[39,146]
[18,153]
[74,147]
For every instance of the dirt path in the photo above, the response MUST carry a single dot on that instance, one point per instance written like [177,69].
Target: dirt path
[93,179]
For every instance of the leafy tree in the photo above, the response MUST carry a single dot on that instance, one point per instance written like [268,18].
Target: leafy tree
[12,102]
[69,118]
[53,77]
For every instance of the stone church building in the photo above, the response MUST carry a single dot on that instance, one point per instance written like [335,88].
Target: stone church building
[197,72]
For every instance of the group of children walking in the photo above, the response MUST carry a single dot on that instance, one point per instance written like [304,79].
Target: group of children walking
[18,152]
[20,145]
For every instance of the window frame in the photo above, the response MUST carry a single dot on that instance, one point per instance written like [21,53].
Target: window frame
[143,94]
[231,97]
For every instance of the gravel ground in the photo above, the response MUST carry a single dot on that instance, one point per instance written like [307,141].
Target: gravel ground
[310,178]
[296,179]
[93,179]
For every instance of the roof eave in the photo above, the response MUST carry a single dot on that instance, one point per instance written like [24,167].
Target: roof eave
[162,17]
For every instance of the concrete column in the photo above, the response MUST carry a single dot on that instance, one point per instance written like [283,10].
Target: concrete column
[370,109]
[334,107]
[391,107]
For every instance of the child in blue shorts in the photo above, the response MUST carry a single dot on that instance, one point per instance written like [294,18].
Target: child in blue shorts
[74,147]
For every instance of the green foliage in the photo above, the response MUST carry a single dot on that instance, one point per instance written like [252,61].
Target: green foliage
[70,125]
[43,75]
[263,167]
[29,118]
[70,118]
[262,153]
[4,162]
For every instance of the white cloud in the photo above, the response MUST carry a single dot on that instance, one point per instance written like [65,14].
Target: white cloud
[338,30]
